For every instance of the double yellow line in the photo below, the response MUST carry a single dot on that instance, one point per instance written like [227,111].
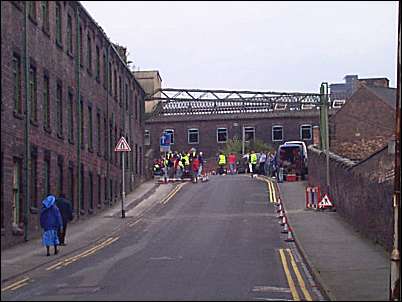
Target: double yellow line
[172,193]
[271,189]
[17,284]
[289,278]
[84,254]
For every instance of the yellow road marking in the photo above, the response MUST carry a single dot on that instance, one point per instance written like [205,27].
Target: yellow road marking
[134,223]
[273,191]
[86,253]
[171,194]
[17,284]
[292,287]
[299,277]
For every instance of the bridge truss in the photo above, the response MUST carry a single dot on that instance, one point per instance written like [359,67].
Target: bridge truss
[172,101]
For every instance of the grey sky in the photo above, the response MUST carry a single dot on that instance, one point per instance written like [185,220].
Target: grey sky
[266,46]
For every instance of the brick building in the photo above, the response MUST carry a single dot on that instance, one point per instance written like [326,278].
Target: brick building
[365,123]
[210,133]
[81,98]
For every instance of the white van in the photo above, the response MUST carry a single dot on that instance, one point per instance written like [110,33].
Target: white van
[303,145]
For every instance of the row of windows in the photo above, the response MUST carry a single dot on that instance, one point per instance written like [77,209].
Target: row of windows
[89,183]
[193,135]
[118,86]
[86,113]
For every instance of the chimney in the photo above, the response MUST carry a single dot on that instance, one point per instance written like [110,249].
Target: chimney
[375,82]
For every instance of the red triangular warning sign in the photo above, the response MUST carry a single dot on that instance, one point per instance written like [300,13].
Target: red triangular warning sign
[122,145]
[325,202]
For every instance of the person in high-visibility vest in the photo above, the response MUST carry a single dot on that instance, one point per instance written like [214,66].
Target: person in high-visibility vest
[221,162]
[253,162]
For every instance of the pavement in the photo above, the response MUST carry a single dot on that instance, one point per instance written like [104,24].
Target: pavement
[344,264]
[348,266]
[22,258]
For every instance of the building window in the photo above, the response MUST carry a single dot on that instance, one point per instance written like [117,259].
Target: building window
[70,115]
[33,94]
[115,85]
[32,9]
[277,133]
[90,129]
[97,77]
[126,95]
[58,25]
[17,190]
[59,175]
[89,53]
[59,108]
[81,123]
[249,134]
[171,132]
[81,47]
[221,135]
[45,15]
[193,136]
[34,176]
[136,158]
[104,71]
[69,35]
[46,170]
[91,191]
[306,132]
[82,203]
[110,79]
[120,92]
[46,103]
[17,84]
[98,133]
[70,184]
[105,138]
[99,189]
[147,138]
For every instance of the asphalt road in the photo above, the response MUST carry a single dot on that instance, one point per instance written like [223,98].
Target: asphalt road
[218,240]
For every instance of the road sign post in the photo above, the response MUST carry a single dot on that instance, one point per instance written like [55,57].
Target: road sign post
[122,146]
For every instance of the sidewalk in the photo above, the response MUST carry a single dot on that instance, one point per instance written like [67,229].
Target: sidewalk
[23,258]
[346,265]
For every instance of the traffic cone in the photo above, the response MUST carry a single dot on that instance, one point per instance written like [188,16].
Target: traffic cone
[280,208]
[290,236]
[281,214]
[285,229]
[283,222]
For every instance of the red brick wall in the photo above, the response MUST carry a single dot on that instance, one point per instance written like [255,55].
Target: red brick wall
[360,194]
[47,56]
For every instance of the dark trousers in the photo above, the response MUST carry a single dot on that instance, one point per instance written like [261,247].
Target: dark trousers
[62,235]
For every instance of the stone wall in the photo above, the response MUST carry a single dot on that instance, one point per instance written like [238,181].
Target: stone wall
[360,192]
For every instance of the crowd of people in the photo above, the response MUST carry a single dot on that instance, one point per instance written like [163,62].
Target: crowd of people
[180,165]
[262,163]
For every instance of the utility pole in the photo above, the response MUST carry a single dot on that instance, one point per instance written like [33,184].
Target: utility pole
[324,128]
[395,287]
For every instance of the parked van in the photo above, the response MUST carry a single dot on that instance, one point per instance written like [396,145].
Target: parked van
[304,155]
[292,159]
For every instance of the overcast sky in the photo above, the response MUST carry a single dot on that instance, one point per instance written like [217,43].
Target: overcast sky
[260,46]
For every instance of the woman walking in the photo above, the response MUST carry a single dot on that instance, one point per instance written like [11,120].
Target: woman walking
[51,222]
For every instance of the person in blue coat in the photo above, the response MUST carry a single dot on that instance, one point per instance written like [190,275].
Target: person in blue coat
[50,221]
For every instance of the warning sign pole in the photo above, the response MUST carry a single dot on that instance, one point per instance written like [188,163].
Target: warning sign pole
[123,193]
[122,146]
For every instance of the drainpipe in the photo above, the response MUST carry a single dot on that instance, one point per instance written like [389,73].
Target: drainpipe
[107,129]
[27,117]
[77,71]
